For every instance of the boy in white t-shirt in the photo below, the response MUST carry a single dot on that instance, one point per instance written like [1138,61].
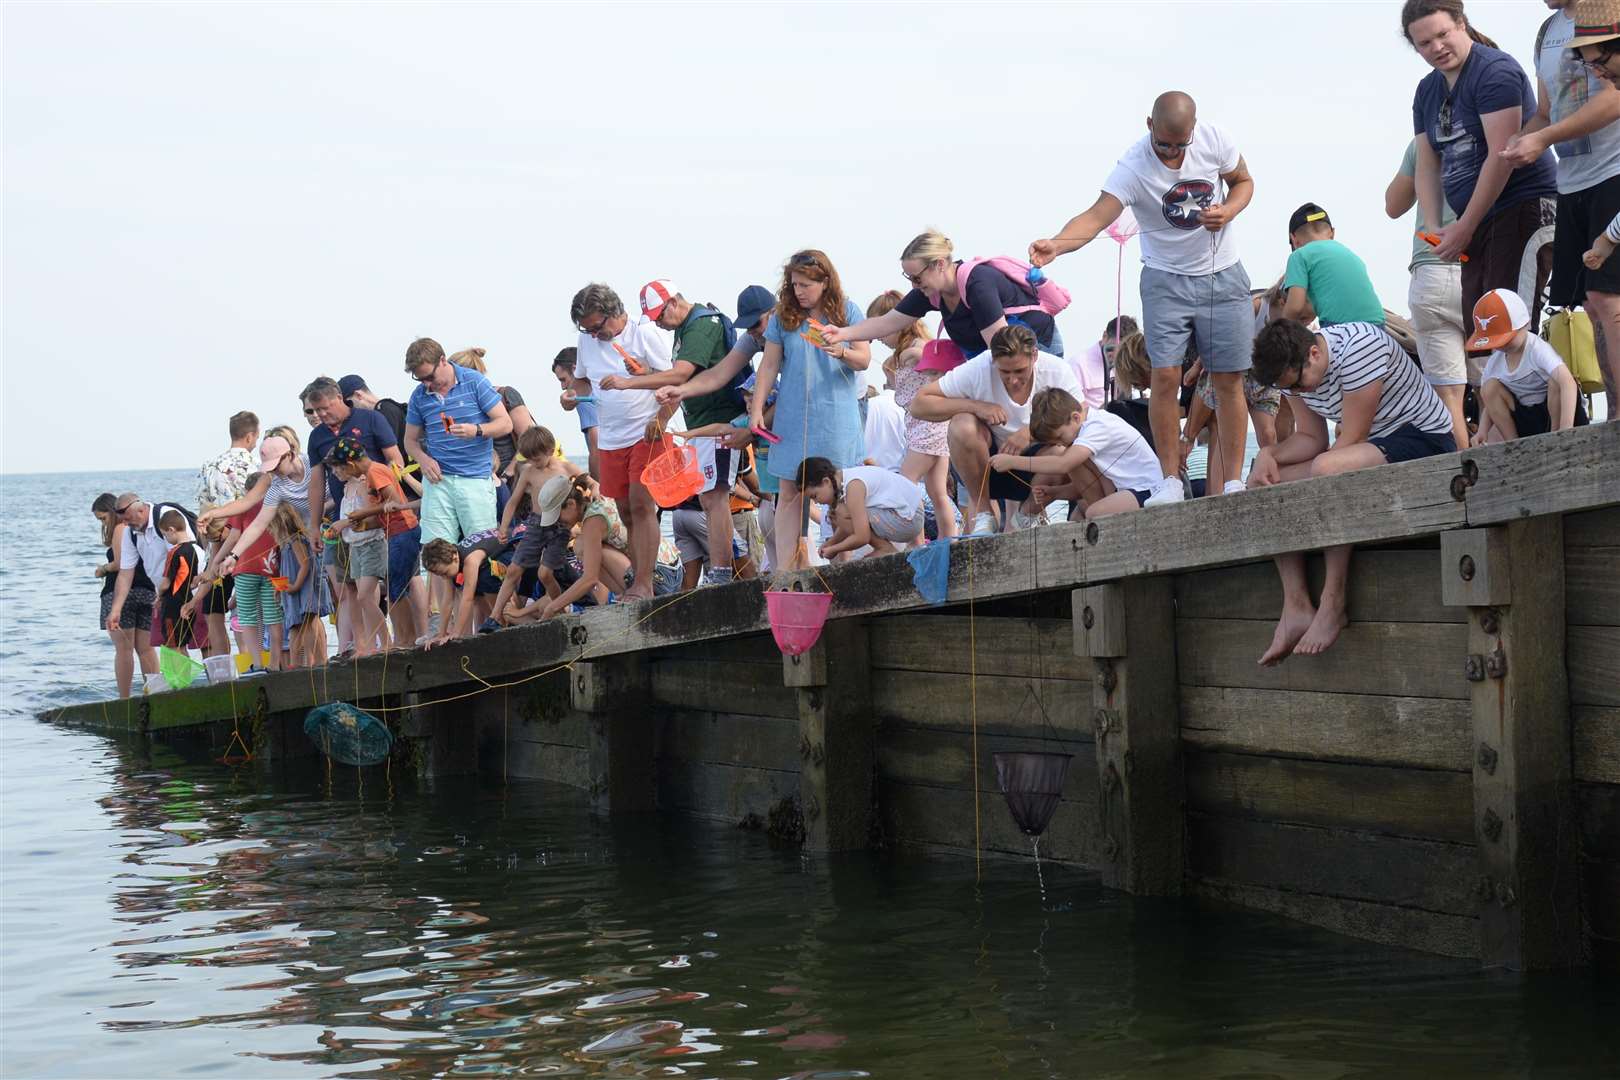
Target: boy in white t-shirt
[1110,467]
[1526,389]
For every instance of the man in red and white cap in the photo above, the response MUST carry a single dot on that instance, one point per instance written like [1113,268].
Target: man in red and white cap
[703,337]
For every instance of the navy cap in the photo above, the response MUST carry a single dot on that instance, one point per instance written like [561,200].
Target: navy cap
[349,384]
[1309,214]
[752,302]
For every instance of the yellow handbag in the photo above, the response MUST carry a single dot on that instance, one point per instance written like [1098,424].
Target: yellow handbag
[1570,335]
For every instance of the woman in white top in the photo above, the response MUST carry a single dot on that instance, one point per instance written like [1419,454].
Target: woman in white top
[871,507]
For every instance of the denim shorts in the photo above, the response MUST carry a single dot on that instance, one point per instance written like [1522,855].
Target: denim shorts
[404,550]
[1410,442]
[1211,311]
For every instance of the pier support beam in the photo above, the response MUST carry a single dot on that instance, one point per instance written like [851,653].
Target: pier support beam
[1511,578]
[1128,628]
[837,731]
[613,691]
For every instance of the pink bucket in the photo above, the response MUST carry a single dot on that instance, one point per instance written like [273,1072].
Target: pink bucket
[797,618]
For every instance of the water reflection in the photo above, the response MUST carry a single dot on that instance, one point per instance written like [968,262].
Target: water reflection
[294,923]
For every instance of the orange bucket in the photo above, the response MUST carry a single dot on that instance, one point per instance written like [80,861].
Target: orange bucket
[797,618]
[673,476]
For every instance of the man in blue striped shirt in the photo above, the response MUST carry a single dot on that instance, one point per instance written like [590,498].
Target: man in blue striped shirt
[450,424]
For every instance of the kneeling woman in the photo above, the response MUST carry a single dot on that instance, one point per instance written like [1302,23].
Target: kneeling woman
[871,507]
[599,549]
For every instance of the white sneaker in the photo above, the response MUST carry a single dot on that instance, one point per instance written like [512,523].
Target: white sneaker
[1020,520]
[983,523]
[1233,487]
[1167,490]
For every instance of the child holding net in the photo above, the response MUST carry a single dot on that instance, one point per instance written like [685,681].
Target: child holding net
[305,603]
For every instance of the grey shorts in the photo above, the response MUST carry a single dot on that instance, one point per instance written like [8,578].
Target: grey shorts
[889,525]
[368,560]
[1212,312]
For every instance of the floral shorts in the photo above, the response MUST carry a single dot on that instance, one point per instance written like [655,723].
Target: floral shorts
[1265,399]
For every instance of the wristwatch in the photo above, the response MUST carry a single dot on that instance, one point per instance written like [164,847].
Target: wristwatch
[480,429]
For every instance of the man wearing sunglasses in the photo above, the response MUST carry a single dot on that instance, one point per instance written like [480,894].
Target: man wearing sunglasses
[1576,113]
[1194,288]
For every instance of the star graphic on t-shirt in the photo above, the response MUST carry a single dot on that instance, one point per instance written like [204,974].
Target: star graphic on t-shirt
[1184,203]
[1190,204]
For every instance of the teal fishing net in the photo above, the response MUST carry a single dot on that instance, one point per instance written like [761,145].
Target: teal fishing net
[348,735]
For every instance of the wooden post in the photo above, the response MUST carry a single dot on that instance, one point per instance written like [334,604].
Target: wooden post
[1511,578]
[836,735]
[1128,628]
[613,691]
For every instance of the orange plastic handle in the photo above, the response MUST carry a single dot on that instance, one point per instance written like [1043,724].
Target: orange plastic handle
[1434,241]
[635,366]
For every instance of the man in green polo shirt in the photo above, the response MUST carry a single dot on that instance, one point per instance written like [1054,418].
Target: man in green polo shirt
[703,337]
[1324,276]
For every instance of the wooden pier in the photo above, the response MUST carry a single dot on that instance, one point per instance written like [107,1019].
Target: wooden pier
[1446,778]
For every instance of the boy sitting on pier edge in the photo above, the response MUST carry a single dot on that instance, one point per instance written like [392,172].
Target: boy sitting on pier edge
[1359,376]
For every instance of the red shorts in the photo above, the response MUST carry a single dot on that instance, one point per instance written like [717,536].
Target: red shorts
[622,468]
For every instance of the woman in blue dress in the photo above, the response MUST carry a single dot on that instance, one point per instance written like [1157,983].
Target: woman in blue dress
[818,399]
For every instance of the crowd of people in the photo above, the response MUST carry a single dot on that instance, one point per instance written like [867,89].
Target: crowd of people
[454,512]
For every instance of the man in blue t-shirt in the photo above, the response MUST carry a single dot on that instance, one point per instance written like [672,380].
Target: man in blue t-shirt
[450,424]
[1464,114]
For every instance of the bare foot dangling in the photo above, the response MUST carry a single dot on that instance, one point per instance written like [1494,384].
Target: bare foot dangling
[1290,629]
[1324,630]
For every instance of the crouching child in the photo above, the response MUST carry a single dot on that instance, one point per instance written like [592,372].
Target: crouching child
[1526,388]
[1358,376]
[1107,466]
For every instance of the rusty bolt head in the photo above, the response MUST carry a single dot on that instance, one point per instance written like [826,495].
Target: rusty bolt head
[1490,620]
[1092,532]
[1088,618]
[1465,568]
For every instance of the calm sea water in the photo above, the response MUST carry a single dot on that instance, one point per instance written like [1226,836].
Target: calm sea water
[165,916]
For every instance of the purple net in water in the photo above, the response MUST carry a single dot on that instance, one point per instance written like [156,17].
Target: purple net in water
[1031,783]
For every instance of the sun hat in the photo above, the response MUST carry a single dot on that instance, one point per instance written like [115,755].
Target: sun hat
[941,354]
[272,450]
[1499,315]
[1309,214]
[1595,21]
[753,302]
[654,295]
[552,497]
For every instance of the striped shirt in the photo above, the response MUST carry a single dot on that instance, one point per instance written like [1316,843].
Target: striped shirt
[1613,231]
[1360,354]
[468,401]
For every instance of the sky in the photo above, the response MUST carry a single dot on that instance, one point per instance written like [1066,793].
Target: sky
[207,205]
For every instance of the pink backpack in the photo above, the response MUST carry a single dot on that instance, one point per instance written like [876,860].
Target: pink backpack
[1050,296]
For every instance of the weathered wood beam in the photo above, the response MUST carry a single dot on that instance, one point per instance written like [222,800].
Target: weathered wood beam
[1512,580]
[837,732]
[1128,629]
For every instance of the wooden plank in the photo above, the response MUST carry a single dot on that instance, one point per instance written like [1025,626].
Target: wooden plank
[1139,766]
[754,689]
[1038,648]
[1594,665]
[1597,744]
[1423,874]
[1592,586]
[943,819]
[1523,788]
[728,739]
[1004,706]
[1592,528]
[945,759]
[728,793]
[1419,803]
[1425,733]
[568,765]
[1598,807]
[1550,474]
[1411,928]
[745,649]
[1400,659]
[837,732]
[1386,585]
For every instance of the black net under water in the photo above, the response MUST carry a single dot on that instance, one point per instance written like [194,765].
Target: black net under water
[349,735]
[1032,783]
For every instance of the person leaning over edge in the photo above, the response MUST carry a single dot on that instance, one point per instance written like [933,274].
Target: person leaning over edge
[1193,285]
[1359,376]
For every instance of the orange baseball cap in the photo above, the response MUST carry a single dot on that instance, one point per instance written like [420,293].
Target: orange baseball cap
[1497,317]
